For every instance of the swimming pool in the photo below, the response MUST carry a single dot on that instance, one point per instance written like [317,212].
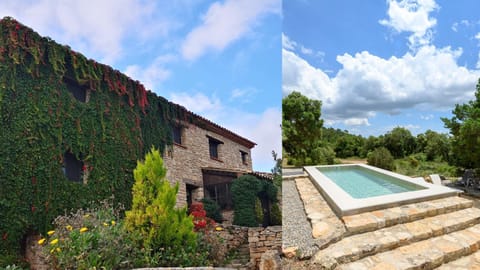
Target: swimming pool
[360,182]
[355,188]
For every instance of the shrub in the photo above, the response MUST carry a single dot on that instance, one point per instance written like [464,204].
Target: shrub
[89,239]
[275,215]
[166,231]
[244,193]
[381,157]
[213,209]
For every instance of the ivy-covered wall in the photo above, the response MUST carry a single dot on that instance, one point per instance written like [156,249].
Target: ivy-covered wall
[40,120]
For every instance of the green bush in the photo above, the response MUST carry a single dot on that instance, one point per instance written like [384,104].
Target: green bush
[166,231]
[213,209]
[244,193]
[275,215]
[381,157]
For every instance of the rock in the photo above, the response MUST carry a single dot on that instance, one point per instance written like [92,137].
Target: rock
[270,260]
[290,252]
[320,229]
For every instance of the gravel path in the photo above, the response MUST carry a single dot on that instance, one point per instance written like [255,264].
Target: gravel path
[296,228]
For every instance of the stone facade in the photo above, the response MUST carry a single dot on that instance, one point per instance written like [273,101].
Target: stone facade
[184,162]
[261,240]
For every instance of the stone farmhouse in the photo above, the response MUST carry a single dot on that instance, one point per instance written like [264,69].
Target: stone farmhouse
[73,130]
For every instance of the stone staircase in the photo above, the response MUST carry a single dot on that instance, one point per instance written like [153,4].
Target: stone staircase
[423,235]
[241,258]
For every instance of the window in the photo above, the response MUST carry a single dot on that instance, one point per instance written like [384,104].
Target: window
[72,167]
[244,156]
[213,147]
[177,134]
[79,92]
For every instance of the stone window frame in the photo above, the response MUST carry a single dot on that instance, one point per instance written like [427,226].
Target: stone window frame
[244,156]
[177,135]
[213,148]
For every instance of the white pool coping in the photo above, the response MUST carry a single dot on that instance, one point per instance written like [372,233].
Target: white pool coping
[343,204]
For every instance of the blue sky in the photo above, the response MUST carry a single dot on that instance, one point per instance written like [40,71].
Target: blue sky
[220,59]
[380,64]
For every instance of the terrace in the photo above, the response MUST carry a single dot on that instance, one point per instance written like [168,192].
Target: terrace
[439,232]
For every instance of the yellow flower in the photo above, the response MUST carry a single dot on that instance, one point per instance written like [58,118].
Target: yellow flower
[52,250]
[50,232]
[41,241]
[105,224]
[86,215]
[69,227]
[113,222]
[84,229]
[218,228]
[54,241]
[58,249]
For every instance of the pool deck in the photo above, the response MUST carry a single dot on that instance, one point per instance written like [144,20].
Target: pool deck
[441,233]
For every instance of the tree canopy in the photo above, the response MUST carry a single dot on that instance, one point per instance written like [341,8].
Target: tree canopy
[302,130]
[465,128]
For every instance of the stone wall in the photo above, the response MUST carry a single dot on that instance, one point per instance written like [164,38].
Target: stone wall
[261,240]
[234,236]
[184,162]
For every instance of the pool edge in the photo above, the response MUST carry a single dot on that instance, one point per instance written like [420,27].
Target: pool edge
[344,205]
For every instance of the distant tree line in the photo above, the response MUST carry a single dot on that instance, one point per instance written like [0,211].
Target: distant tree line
[307,142]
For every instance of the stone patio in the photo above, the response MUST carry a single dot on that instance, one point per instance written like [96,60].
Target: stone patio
[441,233]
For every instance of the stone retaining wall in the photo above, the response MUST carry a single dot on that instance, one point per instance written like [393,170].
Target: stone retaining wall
[234,236]
[260,240]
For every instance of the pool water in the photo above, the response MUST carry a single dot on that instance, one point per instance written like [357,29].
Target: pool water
[359,182]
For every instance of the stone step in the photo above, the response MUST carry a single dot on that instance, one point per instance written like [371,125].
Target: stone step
[468,262]
[426,254]
[371,221]
[361,245]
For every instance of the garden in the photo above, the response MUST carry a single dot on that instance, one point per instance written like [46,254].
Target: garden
[152,233]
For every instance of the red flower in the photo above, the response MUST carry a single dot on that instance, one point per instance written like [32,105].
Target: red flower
[5,236]
[84,168]
[33,208]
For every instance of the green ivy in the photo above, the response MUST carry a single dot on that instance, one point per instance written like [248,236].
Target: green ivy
[41,120]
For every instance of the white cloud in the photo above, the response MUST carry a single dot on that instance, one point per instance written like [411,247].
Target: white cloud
[245,94]
[96,28]
[287,43]
[306,50]
[412,16]
[224,23]
[152,75]
[299,75]
[426,117]
[429,78]
[291,45]
[199,103]
[356,122]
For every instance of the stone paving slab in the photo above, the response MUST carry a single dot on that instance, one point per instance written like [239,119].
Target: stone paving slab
[326,226]
[370,221]
[426,254]
[362,245]
[471,261]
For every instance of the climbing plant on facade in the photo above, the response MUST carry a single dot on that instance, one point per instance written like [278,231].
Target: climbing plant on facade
[112,124]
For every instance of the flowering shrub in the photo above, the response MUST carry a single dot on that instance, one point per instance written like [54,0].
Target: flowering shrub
[199,214]
[91,238]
